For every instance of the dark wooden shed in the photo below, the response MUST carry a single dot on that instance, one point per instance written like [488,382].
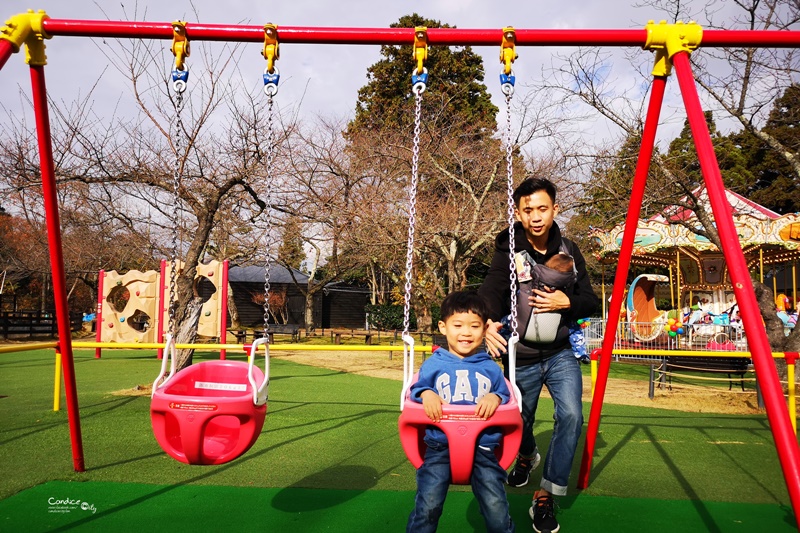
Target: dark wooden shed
[247,284]
[339,305]
[344,306]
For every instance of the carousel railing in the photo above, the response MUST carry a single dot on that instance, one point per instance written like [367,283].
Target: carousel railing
[649,336]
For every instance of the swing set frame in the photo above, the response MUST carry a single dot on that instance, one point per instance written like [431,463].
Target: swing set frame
[672,44]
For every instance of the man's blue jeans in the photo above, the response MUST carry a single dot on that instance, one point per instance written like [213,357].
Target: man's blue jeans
[433,479]
[561,373]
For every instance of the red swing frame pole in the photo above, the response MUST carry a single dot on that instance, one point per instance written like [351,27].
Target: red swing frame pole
[771,389]
[50,196]
[160,328]
[399,36]
[98,317]
[6,49]
[223,309]
[621,277]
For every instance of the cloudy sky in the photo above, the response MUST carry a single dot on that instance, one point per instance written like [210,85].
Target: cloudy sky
[324,77]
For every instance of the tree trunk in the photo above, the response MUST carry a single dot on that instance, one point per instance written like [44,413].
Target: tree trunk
[773,325]
[187,333]
[424,319]
[309,313]
[233,310]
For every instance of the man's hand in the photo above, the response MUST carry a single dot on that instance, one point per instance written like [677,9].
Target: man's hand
[545,302]
[488,405]
[432,403]
[495,343]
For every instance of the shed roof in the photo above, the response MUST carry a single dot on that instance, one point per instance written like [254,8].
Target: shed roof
[255,274]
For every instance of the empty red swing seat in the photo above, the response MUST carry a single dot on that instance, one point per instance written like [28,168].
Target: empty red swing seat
[211,412]
[461,426]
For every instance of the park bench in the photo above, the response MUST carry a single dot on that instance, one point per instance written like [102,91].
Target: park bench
[731,366]
[282,329]
[336,335]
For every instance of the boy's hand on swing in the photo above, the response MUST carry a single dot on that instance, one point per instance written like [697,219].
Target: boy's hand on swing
[432,403]
[488,405]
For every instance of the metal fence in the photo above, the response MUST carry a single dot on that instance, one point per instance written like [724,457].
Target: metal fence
[649,336]
[24,324]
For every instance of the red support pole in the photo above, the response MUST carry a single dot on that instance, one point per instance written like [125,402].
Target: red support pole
[160,321]
[49,193]
[397,36]
[621,277]
[772,392]
[98,319]
[223,311]
[339,35]
[6,49]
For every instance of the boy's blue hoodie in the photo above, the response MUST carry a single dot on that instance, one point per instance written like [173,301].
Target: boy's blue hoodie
[461,382]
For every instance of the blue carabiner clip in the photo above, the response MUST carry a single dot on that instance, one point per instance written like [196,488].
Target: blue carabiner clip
[419,81]
[271,81]
[179,79]
[507,82]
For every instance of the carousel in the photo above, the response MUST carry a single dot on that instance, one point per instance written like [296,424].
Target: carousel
[699,286]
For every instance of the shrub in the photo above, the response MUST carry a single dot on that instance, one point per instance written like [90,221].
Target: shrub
[388,317]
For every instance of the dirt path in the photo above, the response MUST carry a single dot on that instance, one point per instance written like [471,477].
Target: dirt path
[618,391]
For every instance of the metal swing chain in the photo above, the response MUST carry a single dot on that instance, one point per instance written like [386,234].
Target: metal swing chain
[177,126]
[418,89]
[271,77]
[508,90]
[268,207]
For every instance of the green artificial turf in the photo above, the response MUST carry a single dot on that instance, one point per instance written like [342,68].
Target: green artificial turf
[328,430]
[133,507]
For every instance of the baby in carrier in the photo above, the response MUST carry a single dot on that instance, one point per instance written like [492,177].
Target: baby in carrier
[557,273]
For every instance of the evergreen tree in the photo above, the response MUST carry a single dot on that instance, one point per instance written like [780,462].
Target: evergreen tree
[455,86]
[291,253]
[461,170]
[733,165]
[775,182]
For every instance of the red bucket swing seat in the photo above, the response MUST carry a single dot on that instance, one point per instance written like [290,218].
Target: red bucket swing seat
[459,423]
[212,412]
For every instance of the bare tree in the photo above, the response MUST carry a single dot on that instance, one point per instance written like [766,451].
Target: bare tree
[324,188]
[121,172]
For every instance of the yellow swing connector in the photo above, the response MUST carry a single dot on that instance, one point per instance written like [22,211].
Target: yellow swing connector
[669,39]
[27,28]
[271,50]
[508,50]
[271,53]
[420,51]
[508,53]
[180,44]
[180,49]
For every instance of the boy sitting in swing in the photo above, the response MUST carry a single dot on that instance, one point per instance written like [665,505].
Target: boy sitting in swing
[462,374]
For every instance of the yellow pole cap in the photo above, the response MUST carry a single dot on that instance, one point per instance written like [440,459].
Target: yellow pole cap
[27,28]
[666,40]
[673,38]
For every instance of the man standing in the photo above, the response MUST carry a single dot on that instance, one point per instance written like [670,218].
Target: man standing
[552,364]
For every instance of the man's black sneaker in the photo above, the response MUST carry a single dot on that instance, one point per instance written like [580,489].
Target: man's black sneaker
[521,473]
[543,514]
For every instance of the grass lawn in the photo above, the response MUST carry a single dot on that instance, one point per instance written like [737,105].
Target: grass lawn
[329,457]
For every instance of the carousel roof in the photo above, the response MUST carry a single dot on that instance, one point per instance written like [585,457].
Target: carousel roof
[739,206]
[658,237]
